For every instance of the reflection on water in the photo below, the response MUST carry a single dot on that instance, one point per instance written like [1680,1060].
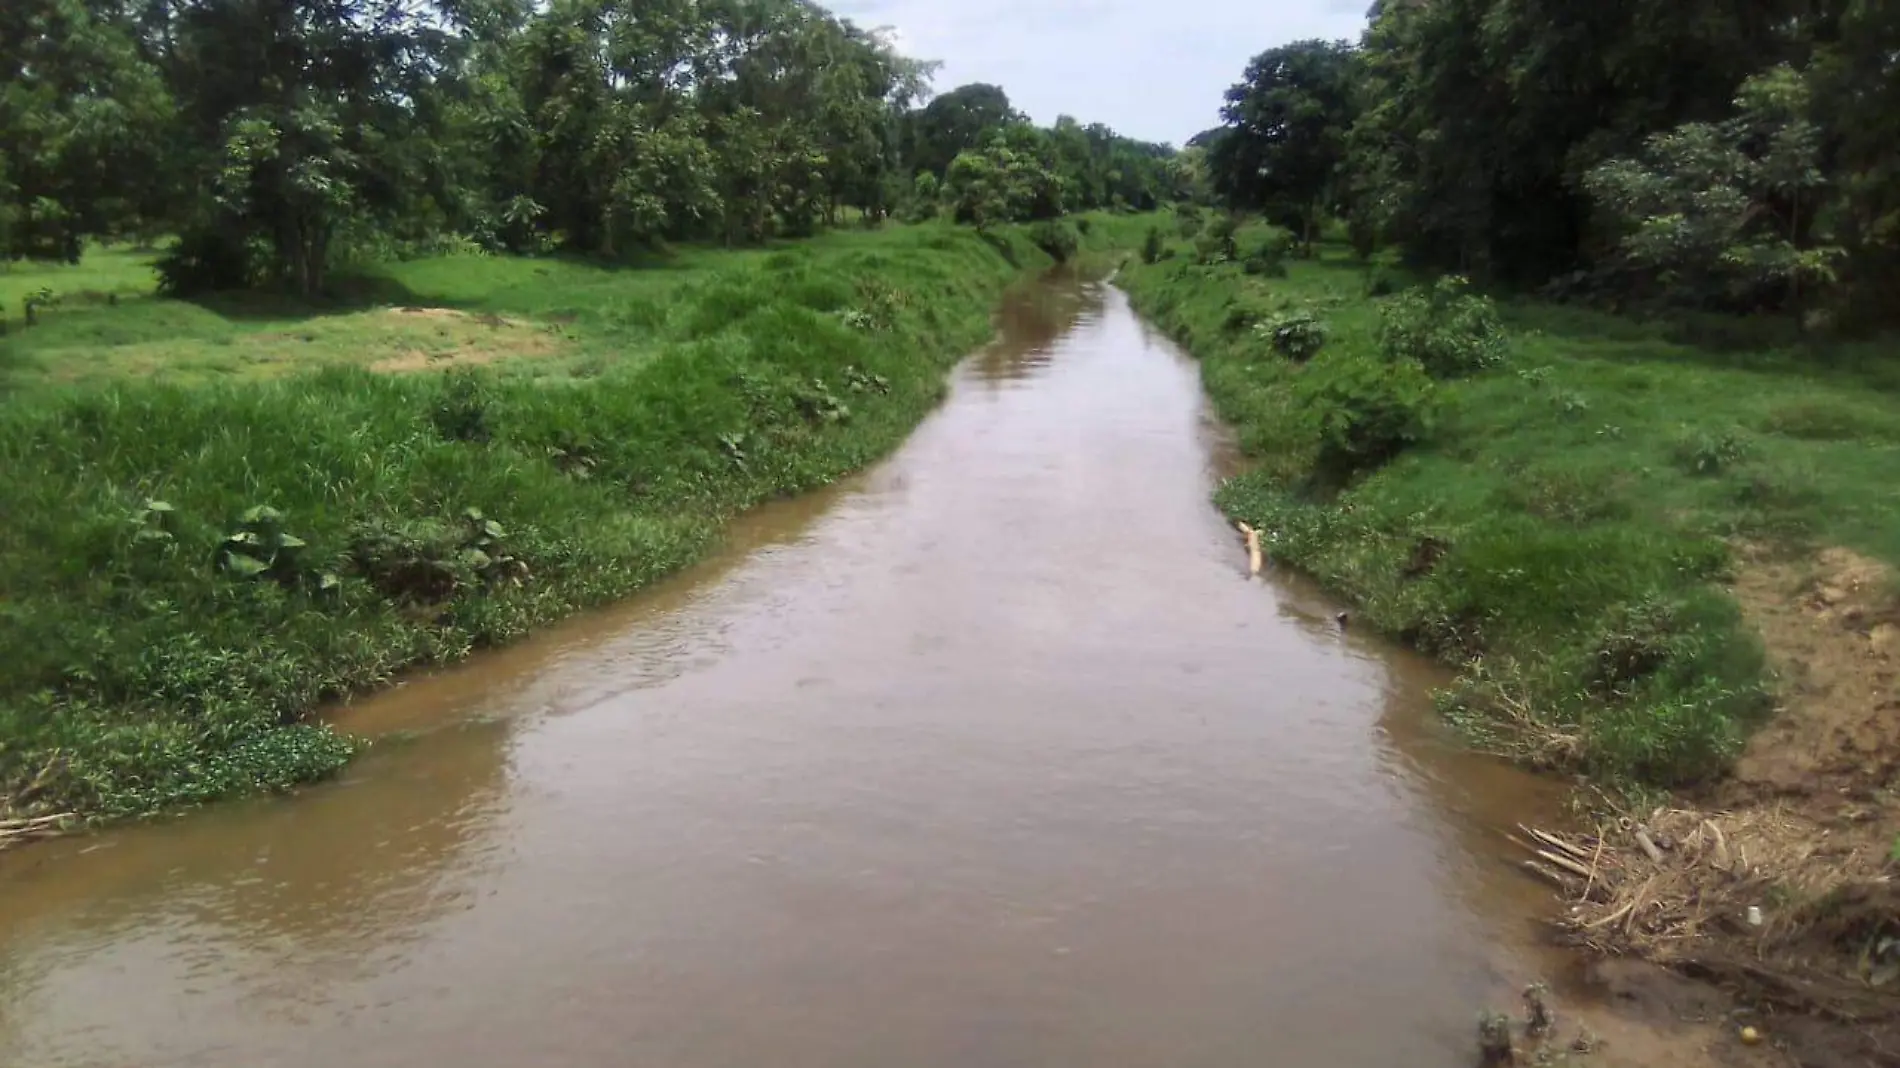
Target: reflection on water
[991,756]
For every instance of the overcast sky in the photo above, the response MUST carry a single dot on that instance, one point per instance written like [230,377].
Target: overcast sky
[1153,69]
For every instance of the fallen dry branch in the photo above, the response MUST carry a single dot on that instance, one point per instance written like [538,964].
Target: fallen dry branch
[20,831]
[1801,913]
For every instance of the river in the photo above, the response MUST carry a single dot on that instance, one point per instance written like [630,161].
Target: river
[990,756]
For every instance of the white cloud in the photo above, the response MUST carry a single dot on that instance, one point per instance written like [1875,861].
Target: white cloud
[1153,69]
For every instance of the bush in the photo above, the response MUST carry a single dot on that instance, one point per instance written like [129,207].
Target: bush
[1187,219]
[1267,256]
[1055,237]
[1153,246]
[1365,410]
[1297,335]
[1216,243]
[1710,453]
[1449,331]
[1242,312]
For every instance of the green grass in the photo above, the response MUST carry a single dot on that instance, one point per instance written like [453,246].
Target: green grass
[1564,529]
[544,318]
[109,271]
[164,639]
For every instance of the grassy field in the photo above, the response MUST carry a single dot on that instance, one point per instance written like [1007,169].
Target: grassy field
[1565,521]
[219,515]
[546,318]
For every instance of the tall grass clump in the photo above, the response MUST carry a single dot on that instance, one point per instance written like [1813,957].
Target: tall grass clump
[190,570]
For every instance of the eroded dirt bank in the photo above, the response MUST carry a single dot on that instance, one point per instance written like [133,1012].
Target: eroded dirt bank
[1777,884]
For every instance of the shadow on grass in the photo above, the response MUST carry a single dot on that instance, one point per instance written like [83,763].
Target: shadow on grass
[1769,345]
[345,295]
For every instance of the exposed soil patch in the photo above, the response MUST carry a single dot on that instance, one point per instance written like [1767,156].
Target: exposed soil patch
[387,340]
[1832,626]
[1779,883]
[1640,1016]
[451,338]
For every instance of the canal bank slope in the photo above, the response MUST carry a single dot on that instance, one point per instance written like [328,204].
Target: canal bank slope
[197,551]
[1663,566]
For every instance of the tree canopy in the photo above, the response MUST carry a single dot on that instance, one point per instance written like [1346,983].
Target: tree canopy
[275,137]
[1285,139]
[1700,151]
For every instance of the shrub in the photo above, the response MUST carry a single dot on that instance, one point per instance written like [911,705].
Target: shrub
[1267,255]
[1153,246]
[1710,453]
[1057,238]
[1187,220]
[1297,335]
[1365,410]
[1447,330]
[1083,225]
[1242,311]
[1216,243]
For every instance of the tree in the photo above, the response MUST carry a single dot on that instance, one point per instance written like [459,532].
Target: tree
[84,124]
[1286,134]
[1856,87]
[1011,179]
[279,138]
[1480,118]
[1722,211]
[304,118]
[955,122]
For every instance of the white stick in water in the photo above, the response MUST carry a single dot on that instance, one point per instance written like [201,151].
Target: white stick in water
[1254,561]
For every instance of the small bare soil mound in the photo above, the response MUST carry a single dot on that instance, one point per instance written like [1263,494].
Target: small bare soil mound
[441,338]
[1779,883]
[1833,629]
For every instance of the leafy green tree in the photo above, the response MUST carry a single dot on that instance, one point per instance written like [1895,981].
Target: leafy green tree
[1188,178]
[1011,179]
[84,129]
[304,119]
[279,138]
[925,191]
[1286,137]
[1723,211]
[1481,117]
[956,122]
[1856,100]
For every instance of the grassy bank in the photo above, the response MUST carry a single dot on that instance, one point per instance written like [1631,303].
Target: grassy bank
[220,515]
[1559,520]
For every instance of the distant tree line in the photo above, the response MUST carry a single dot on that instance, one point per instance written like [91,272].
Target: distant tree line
[271,137]
[1737,156]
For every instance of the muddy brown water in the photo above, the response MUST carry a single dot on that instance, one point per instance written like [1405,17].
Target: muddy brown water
[992,756]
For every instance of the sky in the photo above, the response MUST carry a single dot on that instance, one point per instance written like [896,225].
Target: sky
[1152,69]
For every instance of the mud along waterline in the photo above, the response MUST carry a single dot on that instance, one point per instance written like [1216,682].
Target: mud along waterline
[991,756]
